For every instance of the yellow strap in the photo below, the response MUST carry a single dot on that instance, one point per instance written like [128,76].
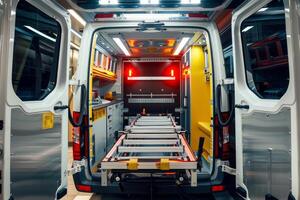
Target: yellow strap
[164,164]
[132,164]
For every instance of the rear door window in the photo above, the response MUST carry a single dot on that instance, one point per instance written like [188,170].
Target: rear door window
[36,52]
[265,51]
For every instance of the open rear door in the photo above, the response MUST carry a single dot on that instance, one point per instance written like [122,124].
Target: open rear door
[34,78]
[266,116]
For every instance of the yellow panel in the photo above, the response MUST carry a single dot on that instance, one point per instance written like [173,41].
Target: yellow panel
[48,120]
[201,98]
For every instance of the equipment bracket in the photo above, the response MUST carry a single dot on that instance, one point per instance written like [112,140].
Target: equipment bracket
[76,167]
[228,170]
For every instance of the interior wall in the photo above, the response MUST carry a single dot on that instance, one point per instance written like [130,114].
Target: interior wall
[201,99]
[163,91]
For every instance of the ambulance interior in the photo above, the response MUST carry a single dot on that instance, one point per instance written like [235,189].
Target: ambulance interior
[145,79]
[151,71]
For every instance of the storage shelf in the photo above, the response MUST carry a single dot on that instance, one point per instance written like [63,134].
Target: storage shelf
[104,74]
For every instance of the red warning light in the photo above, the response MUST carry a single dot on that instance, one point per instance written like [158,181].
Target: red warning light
[130,72]
[172,72]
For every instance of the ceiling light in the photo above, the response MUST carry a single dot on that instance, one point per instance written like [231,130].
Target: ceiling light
[247,28]
[181,45]
[145,2]
[122,46]
[76,33]
[108,2]
[262,9]
[190,1]
[151,16]
[77,17]
[41,34]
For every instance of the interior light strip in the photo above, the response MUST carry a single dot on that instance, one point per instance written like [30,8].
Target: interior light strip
[153,2]
[181,45]
[40,33]
[144,16]
[75,46]
[151,78]
[77,16]
[247,28]
[108,2]
[76,33]
[190,1]
[122,46]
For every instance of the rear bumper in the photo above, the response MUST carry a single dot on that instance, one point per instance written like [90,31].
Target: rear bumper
[222,196]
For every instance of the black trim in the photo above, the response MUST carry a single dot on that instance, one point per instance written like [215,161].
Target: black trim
[200,151]
[61,193]
[291,196]
[270,197]
[1,125]
[241,192]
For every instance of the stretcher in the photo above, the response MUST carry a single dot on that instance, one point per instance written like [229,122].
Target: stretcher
[152,144]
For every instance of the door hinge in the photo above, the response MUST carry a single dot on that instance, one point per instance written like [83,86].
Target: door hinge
[76,167]
[227,81]
[228,170]
[74,82]
[1,125]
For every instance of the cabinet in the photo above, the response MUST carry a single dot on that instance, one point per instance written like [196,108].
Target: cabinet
[110,131]
[114,122]
[99,133]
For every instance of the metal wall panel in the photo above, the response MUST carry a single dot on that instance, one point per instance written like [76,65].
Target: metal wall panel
[36,157]
[266,150]
[99,129]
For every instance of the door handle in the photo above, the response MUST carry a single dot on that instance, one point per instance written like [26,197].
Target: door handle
[62,107]
[242,106]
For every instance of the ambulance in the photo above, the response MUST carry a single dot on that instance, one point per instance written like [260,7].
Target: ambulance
[182,97]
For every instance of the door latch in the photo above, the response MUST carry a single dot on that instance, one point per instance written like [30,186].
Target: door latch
[241,106]
[228,170]
[62,107]
[76,167]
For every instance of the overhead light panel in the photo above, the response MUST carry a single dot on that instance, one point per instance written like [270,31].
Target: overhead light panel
[77,17]
[247,29]
[190,1]
[263,9]
[162,16]
[147,2]
[181,45]
[108,2]
[40,33]
[119,42]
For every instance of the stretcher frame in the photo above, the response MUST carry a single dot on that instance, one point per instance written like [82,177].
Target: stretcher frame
[151,137]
